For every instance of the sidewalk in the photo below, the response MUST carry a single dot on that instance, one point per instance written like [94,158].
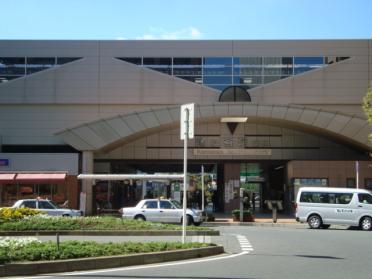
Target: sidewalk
[261,219]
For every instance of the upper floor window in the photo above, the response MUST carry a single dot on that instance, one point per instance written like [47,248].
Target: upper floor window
[37,64]
[15,67]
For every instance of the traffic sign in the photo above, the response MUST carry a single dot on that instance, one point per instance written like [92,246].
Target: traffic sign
[187,121]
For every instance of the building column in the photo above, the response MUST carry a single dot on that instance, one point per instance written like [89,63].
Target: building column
[87,184]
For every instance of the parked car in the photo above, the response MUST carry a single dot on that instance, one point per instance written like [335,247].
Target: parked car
[321,207]
[161,210]
[47,207]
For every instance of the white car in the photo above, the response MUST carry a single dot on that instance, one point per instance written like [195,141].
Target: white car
[46,206]
[325,206]
[161,210]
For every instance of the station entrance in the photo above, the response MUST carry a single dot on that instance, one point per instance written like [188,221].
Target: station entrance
[263,180]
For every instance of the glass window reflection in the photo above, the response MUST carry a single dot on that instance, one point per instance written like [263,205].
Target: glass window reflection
[247,80]
[133,60]
[217,79]
[37,64]
[196,79]
[12,65]
[163,65]
[278,65]
[217,66]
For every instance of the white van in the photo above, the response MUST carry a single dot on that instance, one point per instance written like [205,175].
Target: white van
[321,207]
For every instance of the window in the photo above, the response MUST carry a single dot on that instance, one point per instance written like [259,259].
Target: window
[150,205]
[247,65]
[365,198]
[64,60]
[217,66]
[28,204]
[165,205]
[329,198]
[350,182]
[368,183]
[163,65]
[37,64]
[278,66]
[187,66]
[247,80]
[217,80]
[343,198]
[304,64]
[133,60]
[45,205]
[196,79]
[12,65]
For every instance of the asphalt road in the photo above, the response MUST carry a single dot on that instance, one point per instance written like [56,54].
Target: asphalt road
[259,252]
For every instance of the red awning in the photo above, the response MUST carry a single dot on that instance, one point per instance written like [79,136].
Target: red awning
[7,177]
[40,177]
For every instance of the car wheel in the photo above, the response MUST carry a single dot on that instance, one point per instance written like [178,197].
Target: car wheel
[366,223]
[315,222]
[65,215]
[140,218]
[189,220]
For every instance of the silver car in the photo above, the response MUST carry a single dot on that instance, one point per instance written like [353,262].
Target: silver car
[46,206]
[161,210]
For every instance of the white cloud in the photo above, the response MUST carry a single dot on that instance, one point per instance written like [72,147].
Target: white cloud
[120,38]
[189,33]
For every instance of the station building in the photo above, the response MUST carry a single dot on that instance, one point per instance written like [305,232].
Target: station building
[270,116]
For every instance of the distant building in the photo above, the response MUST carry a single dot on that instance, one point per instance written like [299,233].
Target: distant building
[271,116]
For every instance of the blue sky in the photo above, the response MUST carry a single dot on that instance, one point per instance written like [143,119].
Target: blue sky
[185,19]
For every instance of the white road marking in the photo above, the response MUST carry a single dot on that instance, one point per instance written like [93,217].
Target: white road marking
[245,245]
[139,267]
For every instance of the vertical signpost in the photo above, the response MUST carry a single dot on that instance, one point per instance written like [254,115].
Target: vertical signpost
[202,181]
[357,174]
[187,132]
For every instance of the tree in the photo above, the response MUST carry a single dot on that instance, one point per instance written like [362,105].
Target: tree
[367,106]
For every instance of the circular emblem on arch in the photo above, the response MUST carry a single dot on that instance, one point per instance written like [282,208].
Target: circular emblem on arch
[235,94]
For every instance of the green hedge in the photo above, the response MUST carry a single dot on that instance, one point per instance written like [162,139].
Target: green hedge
[40,223]
[37,251]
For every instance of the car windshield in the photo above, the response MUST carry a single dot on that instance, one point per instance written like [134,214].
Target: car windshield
[176,204]
[55,205]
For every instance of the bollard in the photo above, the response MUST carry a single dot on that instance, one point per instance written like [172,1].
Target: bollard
[274,213]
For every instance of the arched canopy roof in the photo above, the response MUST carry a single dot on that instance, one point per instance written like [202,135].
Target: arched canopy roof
[110,132]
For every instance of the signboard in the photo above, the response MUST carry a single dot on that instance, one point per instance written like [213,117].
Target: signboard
[4,162]
[187,121]
[232,152]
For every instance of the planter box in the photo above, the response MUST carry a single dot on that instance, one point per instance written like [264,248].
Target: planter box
[246,218]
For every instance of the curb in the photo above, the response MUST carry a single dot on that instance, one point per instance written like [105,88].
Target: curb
[41,267]
[112,233]
[255,224]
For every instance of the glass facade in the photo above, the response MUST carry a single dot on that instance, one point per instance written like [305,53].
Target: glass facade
[221,72]
[16,67]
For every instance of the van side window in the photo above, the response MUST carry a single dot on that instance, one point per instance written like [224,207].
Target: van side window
[328,198]
[344,198]
[365,198]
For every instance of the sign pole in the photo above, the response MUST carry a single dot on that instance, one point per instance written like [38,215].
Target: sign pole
[185,176]
[187,131]
[357,174]
[202,181]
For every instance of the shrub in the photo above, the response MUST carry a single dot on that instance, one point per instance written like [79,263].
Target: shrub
[11,214]
[36,251]
[44,222]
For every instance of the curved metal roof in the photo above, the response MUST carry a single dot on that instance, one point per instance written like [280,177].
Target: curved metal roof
[105,133]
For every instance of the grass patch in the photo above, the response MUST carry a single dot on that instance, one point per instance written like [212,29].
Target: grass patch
[48,251]
[46,223]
